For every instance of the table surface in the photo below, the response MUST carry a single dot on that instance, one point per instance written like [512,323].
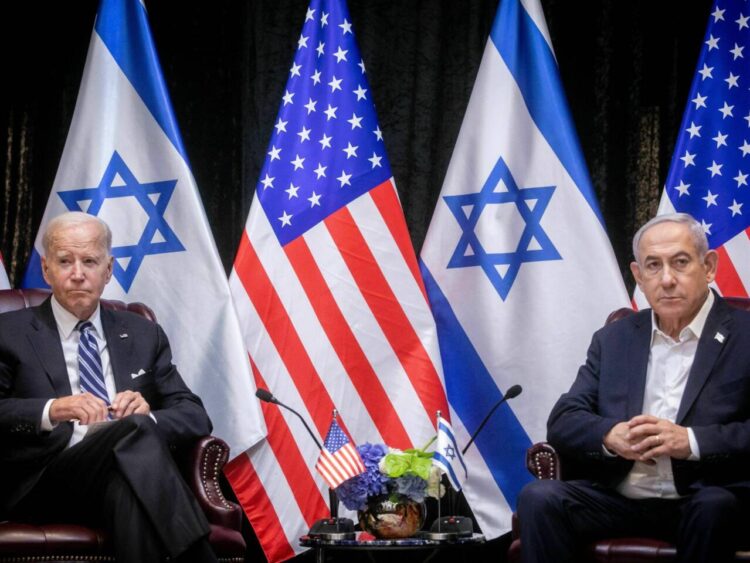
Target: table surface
[364,541]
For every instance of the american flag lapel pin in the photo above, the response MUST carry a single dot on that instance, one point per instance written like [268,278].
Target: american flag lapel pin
[720,337]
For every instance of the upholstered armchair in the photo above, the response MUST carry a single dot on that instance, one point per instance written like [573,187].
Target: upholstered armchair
[543,462]
[201,468]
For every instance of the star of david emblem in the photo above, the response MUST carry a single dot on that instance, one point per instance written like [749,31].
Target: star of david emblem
[157,237]
[533,245]
[449,453]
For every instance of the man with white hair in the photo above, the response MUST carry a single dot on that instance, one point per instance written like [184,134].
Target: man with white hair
[656,427]
[69,364]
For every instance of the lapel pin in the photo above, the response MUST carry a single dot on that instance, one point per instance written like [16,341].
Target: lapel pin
[124,335]
[719,337]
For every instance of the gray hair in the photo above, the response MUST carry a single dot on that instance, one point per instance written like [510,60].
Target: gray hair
[696,231]
[71,218]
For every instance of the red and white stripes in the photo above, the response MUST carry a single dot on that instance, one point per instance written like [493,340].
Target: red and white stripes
[335,319]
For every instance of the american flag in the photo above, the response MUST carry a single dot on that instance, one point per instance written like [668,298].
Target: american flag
[327,287]
[710,169]
[338,460]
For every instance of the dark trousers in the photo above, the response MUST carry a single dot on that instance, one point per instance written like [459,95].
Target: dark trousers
[558,518]
[122,478]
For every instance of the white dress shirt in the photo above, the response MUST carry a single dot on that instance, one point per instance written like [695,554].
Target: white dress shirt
[69,337]
[669,366]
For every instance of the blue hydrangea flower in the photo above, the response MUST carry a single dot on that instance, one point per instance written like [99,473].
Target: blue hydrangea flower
[411,486]
[355,492]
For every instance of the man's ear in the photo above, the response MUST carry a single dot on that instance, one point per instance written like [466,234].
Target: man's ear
[711,263]
[635,269]
[110,266]
[44,270]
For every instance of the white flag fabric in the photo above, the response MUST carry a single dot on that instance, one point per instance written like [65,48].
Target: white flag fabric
[4,282]
[517,263]
[124,162]
[448,456]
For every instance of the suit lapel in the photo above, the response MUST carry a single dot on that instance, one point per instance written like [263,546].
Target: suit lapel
[637,360]
[709,348]
[45,340]
[119,345]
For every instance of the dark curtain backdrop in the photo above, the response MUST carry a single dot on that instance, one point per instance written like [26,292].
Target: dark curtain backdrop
[626,66]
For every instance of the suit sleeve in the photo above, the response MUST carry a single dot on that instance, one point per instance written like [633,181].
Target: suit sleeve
[18,415]
[577,426]
[180,415]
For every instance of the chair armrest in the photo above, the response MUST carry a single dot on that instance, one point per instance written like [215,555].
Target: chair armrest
[204,466]
[542,461]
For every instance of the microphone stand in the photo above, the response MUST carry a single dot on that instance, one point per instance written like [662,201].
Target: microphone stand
[333,528]
[511,393]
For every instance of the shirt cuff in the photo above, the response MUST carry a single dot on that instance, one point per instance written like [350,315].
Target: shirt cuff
[608,453]
[47,424]
[153,417]
[695,452]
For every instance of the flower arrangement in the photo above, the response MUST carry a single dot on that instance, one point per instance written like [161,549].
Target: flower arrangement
[391,472]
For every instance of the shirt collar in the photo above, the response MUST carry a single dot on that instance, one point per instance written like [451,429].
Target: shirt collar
[67,321]
[695,326]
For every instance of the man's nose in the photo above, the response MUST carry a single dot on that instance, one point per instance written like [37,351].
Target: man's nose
[667,276]
[77,270]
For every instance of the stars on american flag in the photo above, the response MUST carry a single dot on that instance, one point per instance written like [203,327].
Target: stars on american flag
[327,146]
[713,150]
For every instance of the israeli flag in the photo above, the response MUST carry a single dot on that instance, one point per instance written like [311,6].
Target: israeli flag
[124,161]
[517,263]
[447,456]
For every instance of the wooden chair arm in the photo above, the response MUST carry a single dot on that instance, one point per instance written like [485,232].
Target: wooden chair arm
[204,466]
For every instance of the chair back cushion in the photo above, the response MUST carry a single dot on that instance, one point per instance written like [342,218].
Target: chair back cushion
[14,299]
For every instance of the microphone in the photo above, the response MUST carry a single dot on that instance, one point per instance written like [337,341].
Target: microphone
[511,393]
[326,528]
[267,397]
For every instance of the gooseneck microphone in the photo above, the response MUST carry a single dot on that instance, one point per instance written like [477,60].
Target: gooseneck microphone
[267,397]
[511,393]
[326,528]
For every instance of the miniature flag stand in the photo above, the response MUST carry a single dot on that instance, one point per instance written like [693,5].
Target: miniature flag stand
[449,460]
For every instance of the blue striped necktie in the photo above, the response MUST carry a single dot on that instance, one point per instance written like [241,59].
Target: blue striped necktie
[90,363]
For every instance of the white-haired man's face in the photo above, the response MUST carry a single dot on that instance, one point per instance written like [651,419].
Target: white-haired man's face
[77,266]
[672,275]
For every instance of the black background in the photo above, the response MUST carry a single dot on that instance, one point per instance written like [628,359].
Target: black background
[626,67]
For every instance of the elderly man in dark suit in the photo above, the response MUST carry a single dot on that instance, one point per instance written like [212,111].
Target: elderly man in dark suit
[657,423]
[90,405]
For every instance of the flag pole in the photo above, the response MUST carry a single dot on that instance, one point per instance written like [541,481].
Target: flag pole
[333,499]
[448,527]
[333,528]
[437,425]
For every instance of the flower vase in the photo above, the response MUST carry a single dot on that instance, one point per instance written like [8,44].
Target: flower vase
[392,516]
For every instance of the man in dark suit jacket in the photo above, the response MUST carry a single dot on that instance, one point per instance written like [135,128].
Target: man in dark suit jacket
[656,427]
[119,474]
